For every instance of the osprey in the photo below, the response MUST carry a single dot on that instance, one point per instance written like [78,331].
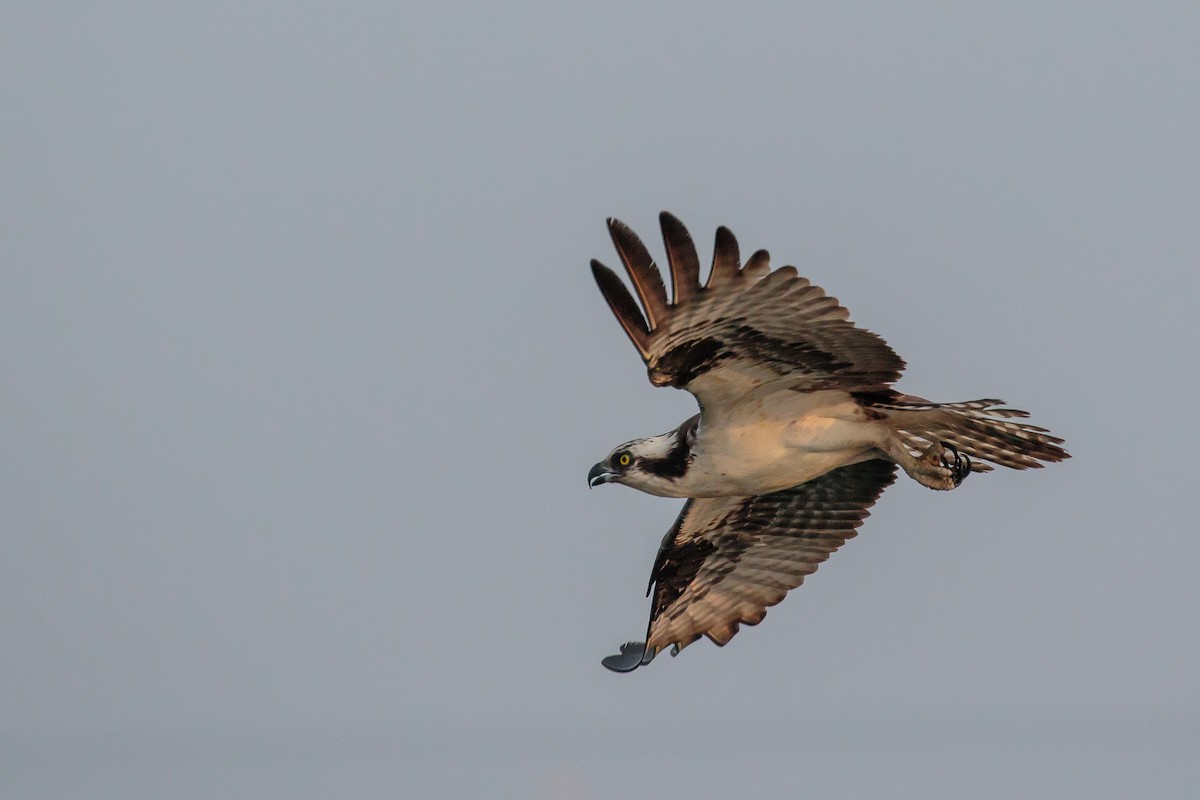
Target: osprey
[799,432]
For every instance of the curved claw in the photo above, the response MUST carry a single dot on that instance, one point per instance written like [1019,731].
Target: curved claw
[632,656]
[946,463]
[961,465]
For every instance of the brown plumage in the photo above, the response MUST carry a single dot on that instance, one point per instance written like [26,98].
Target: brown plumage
[799,433]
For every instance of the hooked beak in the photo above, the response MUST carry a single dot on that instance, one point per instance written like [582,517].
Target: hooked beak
[600,474]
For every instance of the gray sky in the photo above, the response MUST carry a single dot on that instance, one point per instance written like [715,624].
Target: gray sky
[304,369]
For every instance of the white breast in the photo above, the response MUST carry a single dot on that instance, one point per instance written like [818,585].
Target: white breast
[778,442]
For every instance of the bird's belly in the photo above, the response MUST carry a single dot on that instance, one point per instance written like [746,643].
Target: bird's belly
[769,457]
[763,478]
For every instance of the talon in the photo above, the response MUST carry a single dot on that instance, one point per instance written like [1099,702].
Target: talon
[940,466]
[961,466]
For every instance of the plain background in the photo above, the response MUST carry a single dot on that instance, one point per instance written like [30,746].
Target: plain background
[303,369]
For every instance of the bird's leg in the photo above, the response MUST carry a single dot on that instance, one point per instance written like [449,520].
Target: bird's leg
[940,466]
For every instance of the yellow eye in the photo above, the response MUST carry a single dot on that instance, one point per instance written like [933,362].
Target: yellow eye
[624,459]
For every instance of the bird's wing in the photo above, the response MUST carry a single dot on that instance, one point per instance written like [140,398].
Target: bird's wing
[727,559]
[746,327]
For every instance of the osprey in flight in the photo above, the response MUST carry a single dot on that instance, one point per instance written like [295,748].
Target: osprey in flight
[798,434]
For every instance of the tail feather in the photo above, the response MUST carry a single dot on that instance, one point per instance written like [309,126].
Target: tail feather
[980,428]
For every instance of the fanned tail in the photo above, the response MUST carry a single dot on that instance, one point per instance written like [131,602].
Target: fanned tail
[983,429]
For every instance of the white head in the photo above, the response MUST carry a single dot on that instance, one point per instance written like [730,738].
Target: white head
[653,464]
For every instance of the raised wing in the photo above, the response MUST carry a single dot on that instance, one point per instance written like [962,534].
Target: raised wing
[727,559]
[746,327]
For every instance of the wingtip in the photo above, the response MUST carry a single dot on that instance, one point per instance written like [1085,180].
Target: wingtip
[726,260]
[682,258]
[643,273]
[632,656]
[758,266]
[607,280]
[615,225]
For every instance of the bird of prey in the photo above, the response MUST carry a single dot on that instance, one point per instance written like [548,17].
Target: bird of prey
[799,432]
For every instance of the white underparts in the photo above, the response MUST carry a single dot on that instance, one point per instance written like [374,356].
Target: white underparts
[776,442]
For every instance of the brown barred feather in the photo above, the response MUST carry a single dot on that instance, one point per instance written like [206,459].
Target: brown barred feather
[647,281]
[747,326]
[727,559]
[977,428]
[681,257]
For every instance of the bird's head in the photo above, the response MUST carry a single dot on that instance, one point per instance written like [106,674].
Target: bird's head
[652,464]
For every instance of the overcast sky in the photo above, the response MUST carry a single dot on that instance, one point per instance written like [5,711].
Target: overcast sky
[303,371]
